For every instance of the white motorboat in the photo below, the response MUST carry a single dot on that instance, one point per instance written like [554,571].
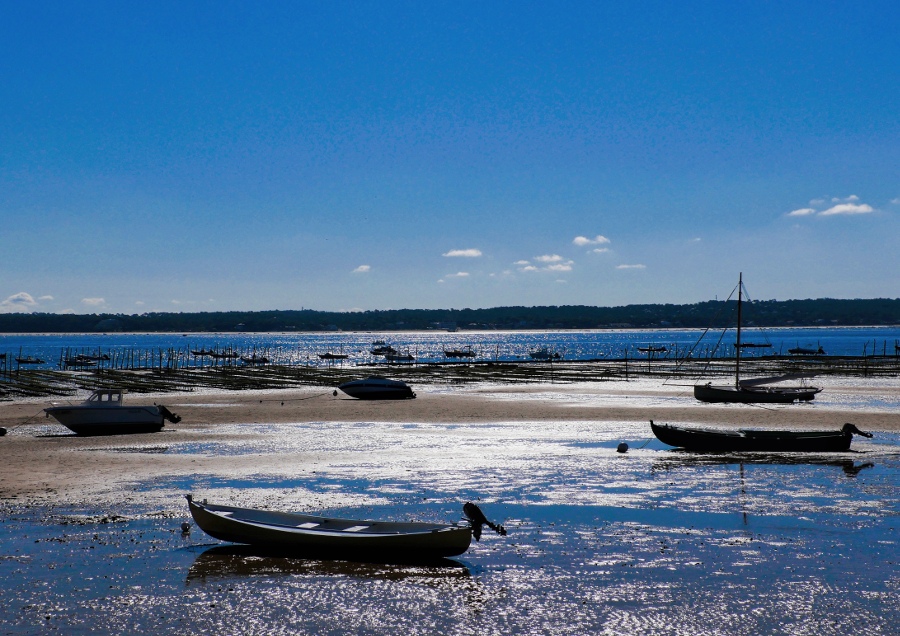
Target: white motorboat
[377,388]
[105,414]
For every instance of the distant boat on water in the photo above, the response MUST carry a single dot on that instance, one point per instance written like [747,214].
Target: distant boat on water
[399,357]
[333,356]
[652,349]
[254,359]
[806,351]
[459,353]
[544,354]
[382,349]
[30,360]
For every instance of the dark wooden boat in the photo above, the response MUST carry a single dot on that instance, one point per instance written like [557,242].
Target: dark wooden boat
[758,441]
[328,538]
[653,349]
[333,356]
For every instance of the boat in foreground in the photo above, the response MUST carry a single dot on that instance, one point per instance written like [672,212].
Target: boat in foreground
[760,441]
[377,388]
[325,537]
[105,414]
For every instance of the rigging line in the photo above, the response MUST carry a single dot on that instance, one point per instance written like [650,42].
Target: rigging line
[297,399]
[765,333]
[705,331]
[26,421]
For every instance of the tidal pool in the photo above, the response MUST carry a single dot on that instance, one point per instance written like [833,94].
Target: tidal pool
[654,541]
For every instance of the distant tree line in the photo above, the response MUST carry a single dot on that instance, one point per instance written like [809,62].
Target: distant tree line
[767,313]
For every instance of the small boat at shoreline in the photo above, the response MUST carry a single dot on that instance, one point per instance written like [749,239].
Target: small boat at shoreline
[652,349]
[382,348]
[330,538]
[377,388]
[104,413]
[756,441]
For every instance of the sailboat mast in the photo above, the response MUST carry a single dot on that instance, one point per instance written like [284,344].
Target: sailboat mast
[737,356]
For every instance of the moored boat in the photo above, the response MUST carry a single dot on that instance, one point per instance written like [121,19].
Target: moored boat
[377,388]
[755,390]
[333,356]
[104,413]
[30,360]
[754,440]
[328,538]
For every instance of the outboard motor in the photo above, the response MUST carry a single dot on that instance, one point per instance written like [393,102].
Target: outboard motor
[850,429]
[169,415]
[477,519]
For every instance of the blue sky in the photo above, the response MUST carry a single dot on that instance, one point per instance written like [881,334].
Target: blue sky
[342,156]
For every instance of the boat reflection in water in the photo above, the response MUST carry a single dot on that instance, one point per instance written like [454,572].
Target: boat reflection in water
[239,561]
[686,459]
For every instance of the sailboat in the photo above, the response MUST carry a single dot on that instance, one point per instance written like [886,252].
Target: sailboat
[756,389]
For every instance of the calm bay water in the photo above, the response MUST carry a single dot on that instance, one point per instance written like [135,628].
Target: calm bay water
[302,348]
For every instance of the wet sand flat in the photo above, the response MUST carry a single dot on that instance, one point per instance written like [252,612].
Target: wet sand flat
[654,541]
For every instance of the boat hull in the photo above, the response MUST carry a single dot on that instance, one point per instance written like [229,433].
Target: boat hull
[108,420]
[378,389]
[728,441]
[754,395]
[326,538]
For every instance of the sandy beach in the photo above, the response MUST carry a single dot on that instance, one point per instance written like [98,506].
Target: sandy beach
[42,459]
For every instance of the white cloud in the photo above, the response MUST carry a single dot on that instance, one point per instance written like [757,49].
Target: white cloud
[67,311]
[695,240]
[600,250]
[176,302]
[549,258]
[560,280]
[470,253]
[506,271]
[93,302]
[18,303]
[457,275]
[847,208]
[583,240]
[522,263]
[560,267]
[441,280]
[817,202]
[45,298]
[362,269]
[802,212]
[139,302]
[852,197]
[631,267]
[896,201]
[528,268]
